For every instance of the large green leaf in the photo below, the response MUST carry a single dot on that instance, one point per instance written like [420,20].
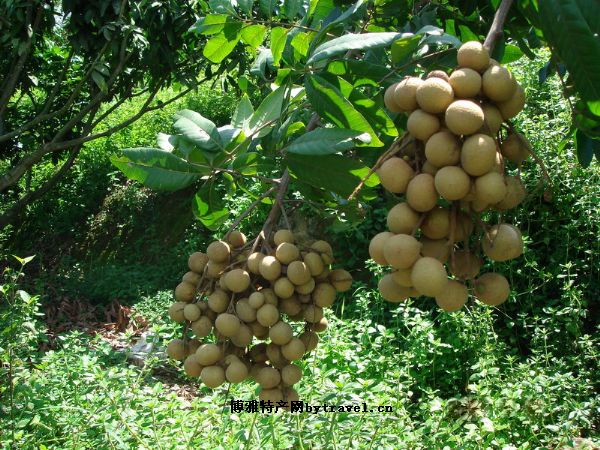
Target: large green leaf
[220,46]
[325,141]
[253,35]
[243,113]
[586,148]
[158,169]
[208,205]
[278,38]
[211,24]
[198,129]
[268,111]
[332,105]
[403,48]
[333,173]
[572,27]
[352,41]
[360,72]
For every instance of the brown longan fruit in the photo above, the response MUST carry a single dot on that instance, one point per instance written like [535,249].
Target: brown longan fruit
[442,149]
[197,262]
[290,306]
[293,350]
[421,194]
[283,287]
[429,168]
[514,148]
[218,301]
[394,175]
[341,280]
[465,265]
[393,292]
[422,125]
[227,324]
[320,326]
[323,276]
[191,366]
[478,154]
[313,313]
[245,311]
[281,333]
[177,349]
[310,339]
[291,374]
[271,395]
[258,353]
[314,263]
[209,354]
[236,239]
[324,295]
[202,327]
[492,289]
[434,95]
[437,223]
[270,297]
[258,330]
[514,105]
[275,357]
[185,292]
[192,278]
[453,297]
[268,377]
[466,82]
[498,84]
[193,345]
[464,117]
[463,227]
[192,312]
[324,249]
[389,101]
[515,194]
[298,273]
[402,219]
[402,277]
[267,315]
[176,312]
[243,337]
[253,262]
[473,55]
[490,188]
[401,251]
[492,119]
[306,288]
[213,376]
[429,276]
[270,268]
[218,251]
[452,182]
[256,299]
[503,242]
[438,74]
[214,269]
[282,236]
[377,245]
[236,372]
[435,248]
[237,280]
[286,253]
[405,93]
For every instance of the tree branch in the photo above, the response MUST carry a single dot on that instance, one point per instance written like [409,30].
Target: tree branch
[496,30]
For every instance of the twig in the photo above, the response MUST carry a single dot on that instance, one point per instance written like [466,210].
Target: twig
[254,204]
[496,30]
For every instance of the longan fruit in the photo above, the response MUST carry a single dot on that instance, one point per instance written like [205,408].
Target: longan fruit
[192,278]
[215,269]
[421,194]
[492,289]
[320,326]
[515,194]
[473,55]
[465,82]
[283,287]
[270,297]
[271,395]
[237,280]
[258,353]
[514,105]
[434,95]
[389,101]
[185,292]
[452,182]
[267,315]
[405,93]
[435,248]
[191,366]
[256,299]
[429,168]
[218,251]
[422,125]
[310,339]
[402,277]
[245,311]
[464,117]
[293,350]
[503,242]
[492,119]
[270,268]
[401,251]
[236,372]
[258,330]
[453,297]
[236,239]
[324,249]
[291,374]
[498,84]
[286,253]
[298,273]
[253,262]
[306,288]
[243,337]
[377,245]
[437,223]
[478,154]
[275,357]
[463,227]
[465,265]
[213,376]
[314,263]
[290,306]
[282,236]
[402,219]
[290,395]
[393,292]
[313,313]
[490,188]
[202,327]
[191,312]
[394,175]
[208,354]
[268,377]
[218,301]
[341,280]
[281,333]
[176,312]
[443,149]
[438,74]
[514,149]
[429,276]
[227,324]
[177,349]
[324,295]
[197,262]
[323,276]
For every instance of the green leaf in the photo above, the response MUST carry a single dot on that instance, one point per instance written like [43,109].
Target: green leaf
[278,39]
[291,8]
[25,260]
[352,41]
[332,105]
[253,35]
[403,48]
[218,47]
[166,142]
[208,205]
[512,53]
[100,81]
[242,114]
[586,148]
[211,24]
[594,107]
[267,7]
[333,173]
[325,141]
[301,42]
[360,72]
[268,111]
[198,129]
[246,6]
[319,10]
[571,27]
[157,169]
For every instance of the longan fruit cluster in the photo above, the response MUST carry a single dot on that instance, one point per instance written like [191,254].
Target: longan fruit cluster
[249,301]
[456,170]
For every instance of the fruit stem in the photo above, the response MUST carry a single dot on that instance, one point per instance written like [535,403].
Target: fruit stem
[496,30]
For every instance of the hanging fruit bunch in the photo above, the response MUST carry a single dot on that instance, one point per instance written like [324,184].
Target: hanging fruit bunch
[454,171]
[263,307]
